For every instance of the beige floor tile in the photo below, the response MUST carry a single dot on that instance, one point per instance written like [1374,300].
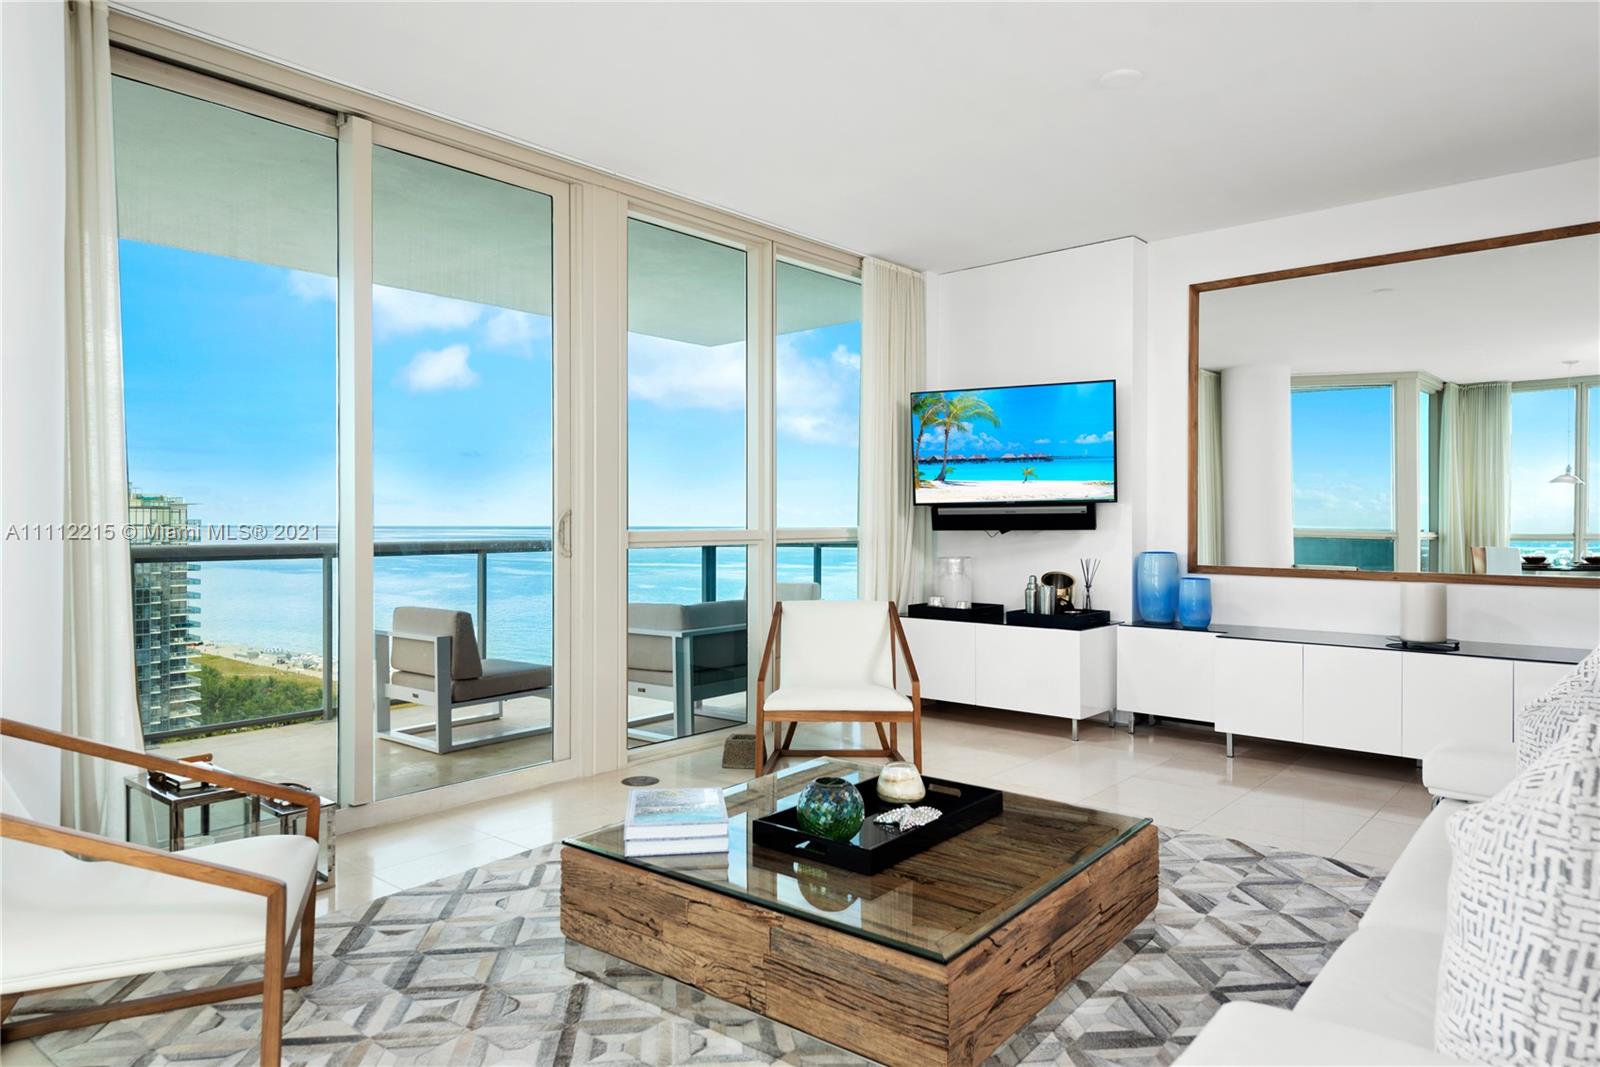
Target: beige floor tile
[354,884]
[1384,836]
[1377,861]
[1351,793]
[1075,773]
[1285,821]
[436,865]
[1140,794]
[386,846]
[1412,800]
[1217,769]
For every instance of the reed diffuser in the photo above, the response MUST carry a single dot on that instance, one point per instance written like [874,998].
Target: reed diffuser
[1090,568]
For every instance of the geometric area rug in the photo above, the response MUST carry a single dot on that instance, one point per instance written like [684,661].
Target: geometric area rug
[472,969]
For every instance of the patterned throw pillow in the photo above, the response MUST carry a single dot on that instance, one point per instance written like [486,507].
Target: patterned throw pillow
[1519,979]
[1543,722]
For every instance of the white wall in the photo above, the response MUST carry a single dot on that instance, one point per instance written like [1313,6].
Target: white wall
[1554,196]
[1064,316]
[32,390]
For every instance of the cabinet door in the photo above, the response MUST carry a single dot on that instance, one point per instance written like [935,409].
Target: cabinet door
[1454,698]
[943,653]
[1352,699]
[1259,689]
[1530,681]
[1165,672]
[1022,668]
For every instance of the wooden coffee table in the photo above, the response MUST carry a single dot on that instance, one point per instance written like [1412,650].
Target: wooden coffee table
[939,959]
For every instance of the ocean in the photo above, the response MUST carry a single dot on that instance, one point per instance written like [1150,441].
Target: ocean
[276,605]
[1059,469]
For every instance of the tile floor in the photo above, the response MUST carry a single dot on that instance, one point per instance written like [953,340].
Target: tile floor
[1358,808]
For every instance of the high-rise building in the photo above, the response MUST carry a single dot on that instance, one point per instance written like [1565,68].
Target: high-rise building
[165,617]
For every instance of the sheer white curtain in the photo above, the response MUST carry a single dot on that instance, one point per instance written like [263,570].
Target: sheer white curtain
[99,695]
[1474,472]
[1208,471]
[895,536]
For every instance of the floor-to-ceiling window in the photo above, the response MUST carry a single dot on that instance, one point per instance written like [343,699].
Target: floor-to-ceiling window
[1344,476]
[817,411]
[689,518]
[228,224]
[463,417]
[1554,509]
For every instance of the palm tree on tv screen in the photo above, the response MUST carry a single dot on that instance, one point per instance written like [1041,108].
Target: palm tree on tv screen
[959,413]
[926,410]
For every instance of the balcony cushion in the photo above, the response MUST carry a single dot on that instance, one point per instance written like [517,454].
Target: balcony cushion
[830,643]
[416,657]
[499,677]
[1383,980]
[1545,721]
[837,698]
[1468,771]
[1519,983]
[66,921]
[1414,891]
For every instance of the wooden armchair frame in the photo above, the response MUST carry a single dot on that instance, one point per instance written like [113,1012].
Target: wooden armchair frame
[93,846]
[772,659]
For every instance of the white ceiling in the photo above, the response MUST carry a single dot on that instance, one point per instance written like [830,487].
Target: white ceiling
[949,135]
[1511,314]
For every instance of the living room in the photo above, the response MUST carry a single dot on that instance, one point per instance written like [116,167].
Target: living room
[1170,454]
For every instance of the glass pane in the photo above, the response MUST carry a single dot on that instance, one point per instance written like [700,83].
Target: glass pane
[1592,523]
[686,380]
[1424,462]
[1541,449]
[688,669]
[818,397]
[813,572]
[1343,445]
[228,245]
[1345,553]
[463,392]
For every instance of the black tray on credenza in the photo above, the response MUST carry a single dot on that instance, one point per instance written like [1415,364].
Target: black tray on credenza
[1092,619]
[995,613]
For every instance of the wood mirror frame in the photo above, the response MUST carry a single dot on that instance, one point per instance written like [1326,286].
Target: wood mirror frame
[1557,234]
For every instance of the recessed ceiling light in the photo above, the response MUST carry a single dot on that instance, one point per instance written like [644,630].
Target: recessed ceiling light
[1382,289]
[1121,78]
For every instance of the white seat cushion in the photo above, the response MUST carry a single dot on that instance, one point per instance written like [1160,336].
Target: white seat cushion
[1247,1034]
[1520,982]
[65,921]
[837,698]
[1467,771]
[1383,980]
[1414,890]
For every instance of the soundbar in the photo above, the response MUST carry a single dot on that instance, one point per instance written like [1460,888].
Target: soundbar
[1004,518]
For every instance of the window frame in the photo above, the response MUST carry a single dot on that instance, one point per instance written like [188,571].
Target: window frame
[1582,386]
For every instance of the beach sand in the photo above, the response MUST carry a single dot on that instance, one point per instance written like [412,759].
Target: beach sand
[959,492]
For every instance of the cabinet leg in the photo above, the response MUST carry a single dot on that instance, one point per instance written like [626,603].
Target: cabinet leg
[1133,720]
[1074,731]
[1229,744]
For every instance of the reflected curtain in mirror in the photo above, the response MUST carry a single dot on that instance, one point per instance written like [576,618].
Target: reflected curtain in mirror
[1474,483]
[1208,470]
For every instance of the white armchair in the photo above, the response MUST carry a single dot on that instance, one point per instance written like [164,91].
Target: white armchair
[65,921]
[836,661]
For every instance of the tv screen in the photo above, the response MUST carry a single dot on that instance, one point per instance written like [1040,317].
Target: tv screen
[1021,444]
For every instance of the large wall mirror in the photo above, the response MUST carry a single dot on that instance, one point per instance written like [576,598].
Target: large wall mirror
[1427,415]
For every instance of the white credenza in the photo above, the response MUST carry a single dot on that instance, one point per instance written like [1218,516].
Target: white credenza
[1337,690]
[1068,674]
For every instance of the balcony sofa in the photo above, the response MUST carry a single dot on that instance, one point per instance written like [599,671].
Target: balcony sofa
[1376,999]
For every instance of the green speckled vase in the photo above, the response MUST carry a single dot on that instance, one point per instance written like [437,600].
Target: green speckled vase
[831,808]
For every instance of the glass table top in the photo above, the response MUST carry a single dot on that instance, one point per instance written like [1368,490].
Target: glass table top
[935,904]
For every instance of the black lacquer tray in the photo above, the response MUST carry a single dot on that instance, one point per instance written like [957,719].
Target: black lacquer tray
[1077,619]
[876,848]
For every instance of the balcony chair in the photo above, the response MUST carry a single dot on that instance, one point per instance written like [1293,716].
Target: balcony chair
[427,644]
[687,654]
[835,661]
[65,921]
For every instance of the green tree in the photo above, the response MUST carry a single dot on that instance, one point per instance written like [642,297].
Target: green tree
[1029,472]
[925,410]
[960,412]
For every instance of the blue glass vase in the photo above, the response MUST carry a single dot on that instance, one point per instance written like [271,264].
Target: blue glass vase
[1194,602]
[1155,587]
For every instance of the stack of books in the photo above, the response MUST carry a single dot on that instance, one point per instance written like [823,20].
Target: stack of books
[675,822]
[177,783]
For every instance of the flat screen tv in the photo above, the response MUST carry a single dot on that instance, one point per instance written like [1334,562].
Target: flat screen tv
[1019,444]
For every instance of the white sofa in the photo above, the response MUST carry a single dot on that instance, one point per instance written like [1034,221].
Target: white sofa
[1373,1002]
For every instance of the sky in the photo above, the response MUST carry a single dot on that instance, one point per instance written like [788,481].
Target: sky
[1057,420]
[230,396]
[1343,455]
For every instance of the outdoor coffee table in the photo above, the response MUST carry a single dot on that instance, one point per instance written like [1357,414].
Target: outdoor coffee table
[939,959]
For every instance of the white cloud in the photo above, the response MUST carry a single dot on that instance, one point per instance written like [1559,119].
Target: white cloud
[1041,440]
[675,374]
[846,358]
[444,368]
[515,329]
[402,311]
[1094,438]
[815,397]
[308,286]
